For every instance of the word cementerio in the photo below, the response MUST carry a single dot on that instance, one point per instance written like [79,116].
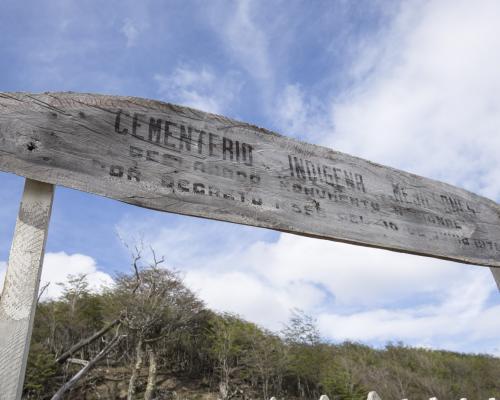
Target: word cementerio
[182,138]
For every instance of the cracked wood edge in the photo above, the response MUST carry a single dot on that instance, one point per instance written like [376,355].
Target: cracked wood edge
[496,276]
[177,159]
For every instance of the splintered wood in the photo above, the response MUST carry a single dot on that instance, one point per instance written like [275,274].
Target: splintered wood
[180,160]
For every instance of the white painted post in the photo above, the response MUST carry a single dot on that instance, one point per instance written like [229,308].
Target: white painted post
[22,281]
[373,396]
[324,397]
[433,398]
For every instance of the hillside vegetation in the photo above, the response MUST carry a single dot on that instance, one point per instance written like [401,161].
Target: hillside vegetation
[156,340]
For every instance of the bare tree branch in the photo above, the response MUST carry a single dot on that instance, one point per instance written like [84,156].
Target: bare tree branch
[80,374]
[137,257]
[42,290]
[78,361]
[86,341]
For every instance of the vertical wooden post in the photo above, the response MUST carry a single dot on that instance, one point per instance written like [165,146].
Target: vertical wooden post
[22,281]
[496,275]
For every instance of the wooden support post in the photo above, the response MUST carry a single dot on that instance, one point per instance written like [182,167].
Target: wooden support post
[22,280]
[496,275]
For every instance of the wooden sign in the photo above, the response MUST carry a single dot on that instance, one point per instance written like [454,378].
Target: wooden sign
[170,158]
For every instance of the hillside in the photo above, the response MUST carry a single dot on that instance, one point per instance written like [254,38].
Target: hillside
[163,343]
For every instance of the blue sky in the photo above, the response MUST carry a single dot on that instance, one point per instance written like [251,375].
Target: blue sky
[411,84]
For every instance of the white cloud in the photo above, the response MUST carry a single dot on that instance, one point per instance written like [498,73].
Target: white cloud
[251,44]
[131,31]
[243,36]
[463,316]
[199,88]
[57,268]
[301,115]
[357,293]
[429,102]
[241,293]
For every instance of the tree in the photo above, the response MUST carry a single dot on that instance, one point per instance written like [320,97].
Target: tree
[39,371]
[228,336]
[342,372]
[305,356]
[79,313]
[58,325]
[156,308]
[266,361]
[301,329]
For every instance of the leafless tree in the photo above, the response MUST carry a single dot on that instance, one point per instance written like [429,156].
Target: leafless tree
[156,307]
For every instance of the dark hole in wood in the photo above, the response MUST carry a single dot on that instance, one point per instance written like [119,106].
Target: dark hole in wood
[31,146]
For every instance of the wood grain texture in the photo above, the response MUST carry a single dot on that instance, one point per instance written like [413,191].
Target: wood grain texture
[20,292]
[171,158]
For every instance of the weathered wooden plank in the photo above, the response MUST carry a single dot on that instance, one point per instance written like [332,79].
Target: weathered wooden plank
[20,292]
[177,159]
